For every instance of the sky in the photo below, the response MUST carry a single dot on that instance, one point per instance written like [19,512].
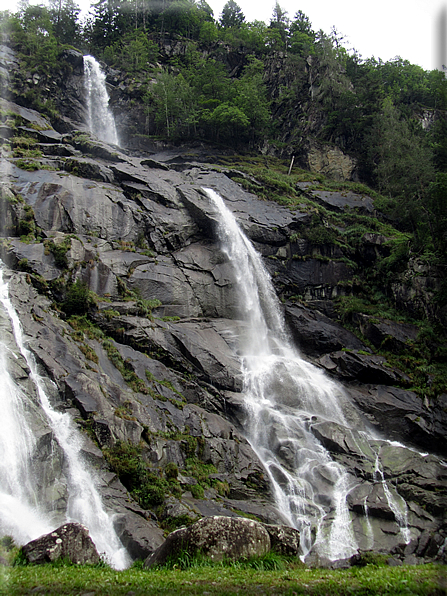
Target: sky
[415,30]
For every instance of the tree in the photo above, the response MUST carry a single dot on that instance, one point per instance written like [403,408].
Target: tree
[229,121]
[134,53]
[210,81]
[208,32]
[204,7]
[173,104]
[301,35]
[438,213]
[251,98]
[232,15]
[39,44]
[280,23]
[402,163]
[101,29]
[302,24]
[332,81]
[65,19]
[255,37]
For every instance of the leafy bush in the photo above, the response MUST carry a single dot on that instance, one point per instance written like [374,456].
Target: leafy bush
[77,300]
[320,235]
[146,306]
[147,488]
[171,471]
[126,461]
[197,491]
[59,251]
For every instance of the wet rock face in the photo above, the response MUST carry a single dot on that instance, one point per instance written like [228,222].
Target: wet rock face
[140,230]
[70,541]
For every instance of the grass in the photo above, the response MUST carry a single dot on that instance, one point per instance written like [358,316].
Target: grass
[222,579]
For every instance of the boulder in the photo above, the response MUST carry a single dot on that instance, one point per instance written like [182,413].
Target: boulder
[284,540]
[70,541]
[74,58]
[215,537]
[338,201]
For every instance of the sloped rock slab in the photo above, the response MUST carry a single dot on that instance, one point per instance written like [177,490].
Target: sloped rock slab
[402,415]
[68,203]
[366,368]
[262,221]
[209,353]
[70,541]
[337,201]
[27,114]
[311,277]
[217,538]
[316,334]
[384,333]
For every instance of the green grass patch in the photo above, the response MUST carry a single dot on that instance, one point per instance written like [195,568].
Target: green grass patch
[248,578]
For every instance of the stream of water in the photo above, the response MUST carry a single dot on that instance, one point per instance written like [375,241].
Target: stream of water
[285,397]
[21,514]
[100,119]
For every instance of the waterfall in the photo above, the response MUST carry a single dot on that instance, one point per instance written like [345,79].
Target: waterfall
[21,515]
[286,399]
[100,119]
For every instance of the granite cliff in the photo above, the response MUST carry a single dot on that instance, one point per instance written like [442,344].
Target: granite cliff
[128,304]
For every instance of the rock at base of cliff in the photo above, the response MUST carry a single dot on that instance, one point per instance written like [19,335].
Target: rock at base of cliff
[216,537]
[70,541]
[284,540]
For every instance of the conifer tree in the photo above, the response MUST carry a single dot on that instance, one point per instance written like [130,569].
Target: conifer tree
[232,15]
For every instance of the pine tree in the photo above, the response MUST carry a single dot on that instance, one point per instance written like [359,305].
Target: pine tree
[232,15]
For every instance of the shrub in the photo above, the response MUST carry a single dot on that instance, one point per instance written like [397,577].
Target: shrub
[197,491]
[59,251]
[171,470]
[127,461]
[77,300]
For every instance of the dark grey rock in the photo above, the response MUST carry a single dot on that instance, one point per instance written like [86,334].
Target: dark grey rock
[343,201]
[403,415]
[394,562]
[70,541]
[139,536]
[74,58]
[366,368]
[316,334]
[27,114]
[389,335]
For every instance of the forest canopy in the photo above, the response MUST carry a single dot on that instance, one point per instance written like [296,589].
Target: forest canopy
[255,85]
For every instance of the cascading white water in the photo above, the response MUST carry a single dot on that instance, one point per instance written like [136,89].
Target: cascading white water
[17,443]
[100,119]
[286,399]
[20,513]
[398,508]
